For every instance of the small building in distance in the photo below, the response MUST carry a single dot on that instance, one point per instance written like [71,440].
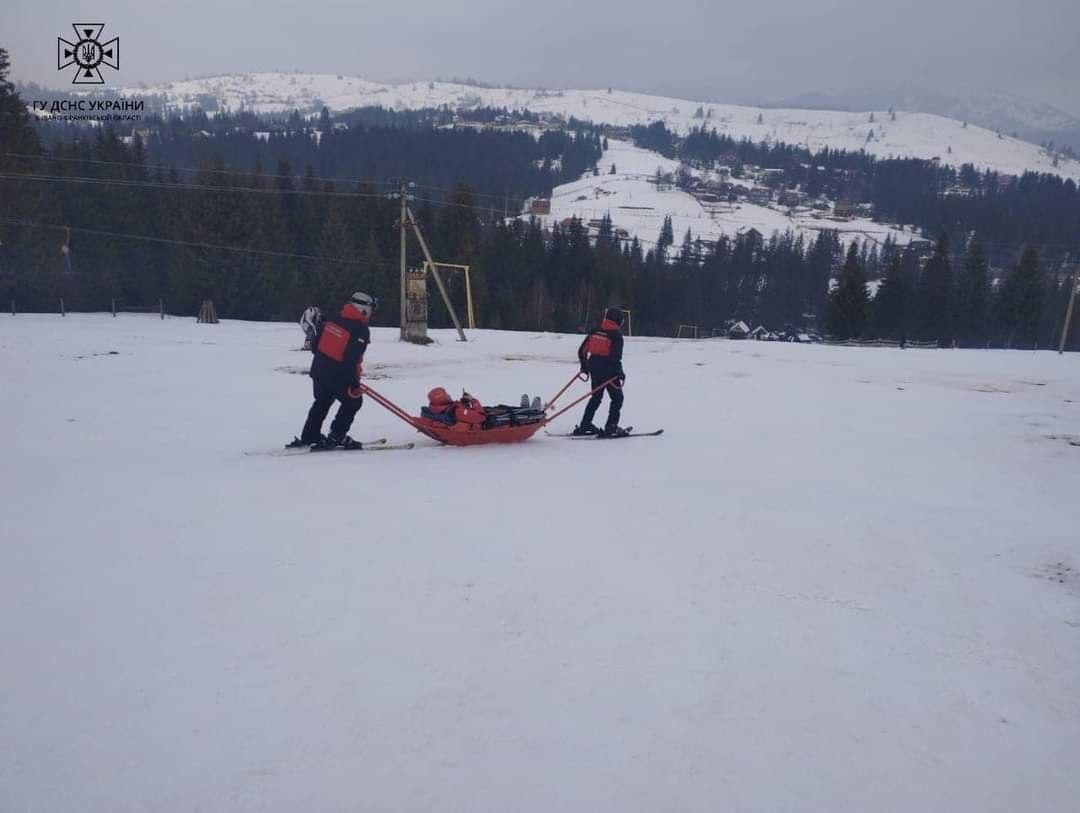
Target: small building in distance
[843,209]
[538,206]
[760,196]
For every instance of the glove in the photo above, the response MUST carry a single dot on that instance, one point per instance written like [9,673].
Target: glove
[355,393]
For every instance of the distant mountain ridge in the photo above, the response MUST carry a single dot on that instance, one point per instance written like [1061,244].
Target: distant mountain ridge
[1010,113]
[884,130]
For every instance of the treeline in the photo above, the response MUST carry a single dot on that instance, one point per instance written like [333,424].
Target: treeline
[952,300]
[373,144]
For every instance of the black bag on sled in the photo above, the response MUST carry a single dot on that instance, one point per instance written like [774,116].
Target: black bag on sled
[503,415]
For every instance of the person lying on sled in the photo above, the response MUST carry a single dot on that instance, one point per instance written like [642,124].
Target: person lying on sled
[468,409]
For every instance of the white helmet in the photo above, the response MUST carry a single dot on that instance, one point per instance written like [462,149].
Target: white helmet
[365,303]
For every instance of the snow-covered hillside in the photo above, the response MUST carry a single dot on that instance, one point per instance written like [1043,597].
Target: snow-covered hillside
[911,134]
[635,203]
[994,109]
[845,579]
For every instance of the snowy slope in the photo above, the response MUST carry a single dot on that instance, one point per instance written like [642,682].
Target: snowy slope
[992,109]
[634,203]
[845,580]
[912,134]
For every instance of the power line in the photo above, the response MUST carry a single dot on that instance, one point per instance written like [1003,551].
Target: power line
[192,243]
[189,170]
[126,182]
[1001,246]
[245,173]
[167,185]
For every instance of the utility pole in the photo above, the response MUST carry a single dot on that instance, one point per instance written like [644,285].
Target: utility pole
[435,273]
[403,194]
[1073,285]
[404,270]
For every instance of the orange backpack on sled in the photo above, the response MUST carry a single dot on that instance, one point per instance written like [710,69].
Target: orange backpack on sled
[470,410]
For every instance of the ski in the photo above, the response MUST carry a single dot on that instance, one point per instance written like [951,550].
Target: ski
[572,435]
[374,447]
[632,434]
[289,450]
[306,446]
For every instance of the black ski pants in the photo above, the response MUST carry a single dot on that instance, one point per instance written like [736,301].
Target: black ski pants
[615,395]
[324,399]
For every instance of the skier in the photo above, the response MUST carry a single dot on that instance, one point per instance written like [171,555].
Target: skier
[601,358]
[335,371]
[310,322]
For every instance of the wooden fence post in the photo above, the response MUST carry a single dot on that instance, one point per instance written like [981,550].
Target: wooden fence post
[114,308]
[161,307]
[63,311]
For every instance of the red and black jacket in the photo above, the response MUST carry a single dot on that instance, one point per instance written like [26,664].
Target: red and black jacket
[339,349]
[601,352]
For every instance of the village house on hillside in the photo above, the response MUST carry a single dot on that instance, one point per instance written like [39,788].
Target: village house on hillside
[760,196]
[537,206]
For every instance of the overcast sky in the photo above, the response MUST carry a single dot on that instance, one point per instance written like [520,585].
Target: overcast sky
[753,51]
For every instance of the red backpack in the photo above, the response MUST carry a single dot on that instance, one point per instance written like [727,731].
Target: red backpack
[598,344]
[333,341]
[470,410]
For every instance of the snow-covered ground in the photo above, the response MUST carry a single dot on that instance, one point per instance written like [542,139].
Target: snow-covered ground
[844,579]
[920,135]
[633,201]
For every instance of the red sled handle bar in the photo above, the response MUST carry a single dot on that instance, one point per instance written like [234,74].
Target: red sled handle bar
[385,402]
[574,403]
[582,376]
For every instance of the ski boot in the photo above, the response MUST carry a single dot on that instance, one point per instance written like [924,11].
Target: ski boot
[585,429]
[343,443]
[524,401]
[536,404]
[297,443]
[614,432]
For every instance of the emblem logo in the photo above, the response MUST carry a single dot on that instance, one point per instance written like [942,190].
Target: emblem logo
[88,53]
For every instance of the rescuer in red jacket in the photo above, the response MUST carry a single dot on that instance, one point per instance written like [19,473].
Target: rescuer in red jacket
[601,358]
[335,373]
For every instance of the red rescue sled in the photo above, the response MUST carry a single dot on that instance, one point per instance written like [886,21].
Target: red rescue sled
[470,434]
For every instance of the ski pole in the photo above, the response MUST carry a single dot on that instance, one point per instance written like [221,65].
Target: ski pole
[581,376]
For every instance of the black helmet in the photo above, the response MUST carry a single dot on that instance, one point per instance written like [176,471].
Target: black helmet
[614,314]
